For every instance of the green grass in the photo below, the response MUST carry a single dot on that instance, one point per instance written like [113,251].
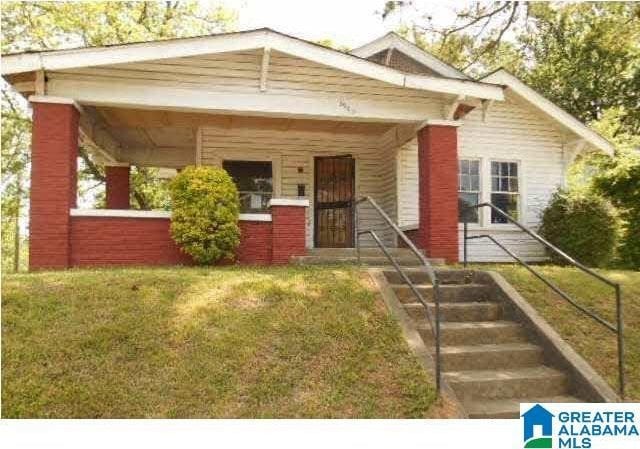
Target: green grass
[189,342]
[592,340]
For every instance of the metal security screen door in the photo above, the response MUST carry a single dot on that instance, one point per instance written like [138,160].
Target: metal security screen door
[334,196]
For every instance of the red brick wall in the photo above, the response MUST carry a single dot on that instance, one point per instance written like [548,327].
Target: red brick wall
[288,233]
[255,243]
[53,183]
[110,241]
[438,187]
[105,241]
[117,188]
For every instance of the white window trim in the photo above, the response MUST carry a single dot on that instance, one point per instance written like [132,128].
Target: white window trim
[521,193]
[481,213]
[485,195]
[276,165]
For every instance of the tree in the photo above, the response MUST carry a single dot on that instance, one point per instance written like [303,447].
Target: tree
[16,129]
[603,41]
[618,179]
[51,25]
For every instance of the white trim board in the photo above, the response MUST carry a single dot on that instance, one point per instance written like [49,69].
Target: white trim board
[296,202]
[132,213]
[551,109]
[395,42]
[242,41]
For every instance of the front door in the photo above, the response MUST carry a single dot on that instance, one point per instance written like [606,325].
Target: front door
[334,201]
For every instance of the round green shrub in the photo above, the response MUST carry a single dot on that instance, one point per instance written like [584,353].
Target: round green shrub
[205,209]
[580,225]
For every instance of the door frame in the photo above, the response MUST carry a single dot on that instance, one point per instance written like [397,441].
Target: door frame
[314,184]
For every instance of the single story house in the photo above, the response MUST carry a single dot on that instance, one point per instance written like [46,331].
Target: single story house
[303,129]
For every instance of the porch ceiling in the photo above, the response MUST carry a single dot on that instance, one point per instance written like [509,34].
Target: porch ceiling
[164,138]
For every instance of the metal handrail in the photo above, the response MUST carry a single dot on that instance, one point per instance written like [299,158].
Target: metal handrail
[616,328]
[431,273]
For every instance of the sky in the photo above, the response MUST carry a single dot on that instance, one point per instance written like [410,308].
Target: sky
[348,23]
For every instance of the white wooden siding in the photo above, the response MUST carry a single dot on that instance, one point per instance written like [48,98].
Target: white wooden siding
[513,131]
[291,150]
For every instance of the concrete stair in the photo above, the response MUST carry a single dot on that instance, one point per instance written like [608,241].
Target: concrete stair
[368,256]
[489,361]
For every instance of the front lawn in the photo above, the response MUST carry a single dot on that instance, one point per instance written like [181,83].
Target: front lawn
[592,340]
[189,342]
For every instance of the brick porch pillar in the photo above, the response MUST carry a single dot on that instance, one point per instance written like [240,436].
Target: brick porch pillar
[288,229]
[438,191]
[117,188]
[54,153]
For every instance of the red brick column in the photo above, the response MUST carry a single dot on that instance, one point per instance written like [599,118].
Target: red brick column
[438,187]
[288,229]
[117,187]
[54,153]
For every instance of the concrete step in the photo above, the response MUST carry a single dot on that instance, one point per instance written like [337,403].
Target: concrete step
[418,275]
[452,311]
[490,356]
[508,408]
[476,332]
[448,292]
[537,381]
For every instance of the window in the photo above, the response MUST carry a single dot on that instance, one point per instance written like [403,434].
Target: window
[255,183]
[468,189]
[505,190]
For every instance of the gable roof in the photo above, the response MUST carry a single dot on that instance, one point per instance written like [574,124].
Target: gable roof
[241,41]
[394,41]
[502,76]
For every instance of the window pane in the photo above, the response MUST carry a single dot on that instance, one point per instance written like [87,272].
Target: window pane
[504,184]
[466,183]
[475,182]
[464,201]
[513,184]
[474,167]
[504,169]
[495,184]
[507,203]
[513,170]
[254,181]
[495,168]
[464,166]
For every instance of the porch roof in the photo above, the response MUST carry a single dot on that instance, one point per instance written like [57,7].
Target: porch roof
[264,38]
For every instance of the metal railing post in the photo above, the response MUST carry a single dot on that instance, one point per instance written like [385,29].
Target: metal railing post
[464,243]
[436,298]
[619,317]
[357,231]
[618,328]
[434,322]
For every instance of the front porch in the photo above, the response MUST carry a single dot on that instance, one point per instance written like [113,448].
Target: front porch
[309,172]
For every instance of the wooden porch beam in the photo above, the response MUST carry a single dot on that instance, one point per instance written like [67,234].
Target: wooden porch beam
[93,128]
[264,69]
[331,107]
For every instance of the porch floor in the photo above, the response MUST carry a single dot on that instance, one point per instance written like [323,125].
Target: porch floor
[368,256]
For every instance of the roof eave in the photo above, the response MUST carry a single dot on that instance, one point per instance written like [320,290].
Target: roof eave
[66,59]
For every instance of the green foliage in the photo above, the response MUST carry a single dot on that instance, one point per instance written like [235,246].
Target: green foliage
[205,209]
[581,225]
[603,40]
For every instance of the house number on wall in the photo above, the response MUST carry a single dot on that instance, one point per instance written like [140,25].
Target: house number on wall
[346,106]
